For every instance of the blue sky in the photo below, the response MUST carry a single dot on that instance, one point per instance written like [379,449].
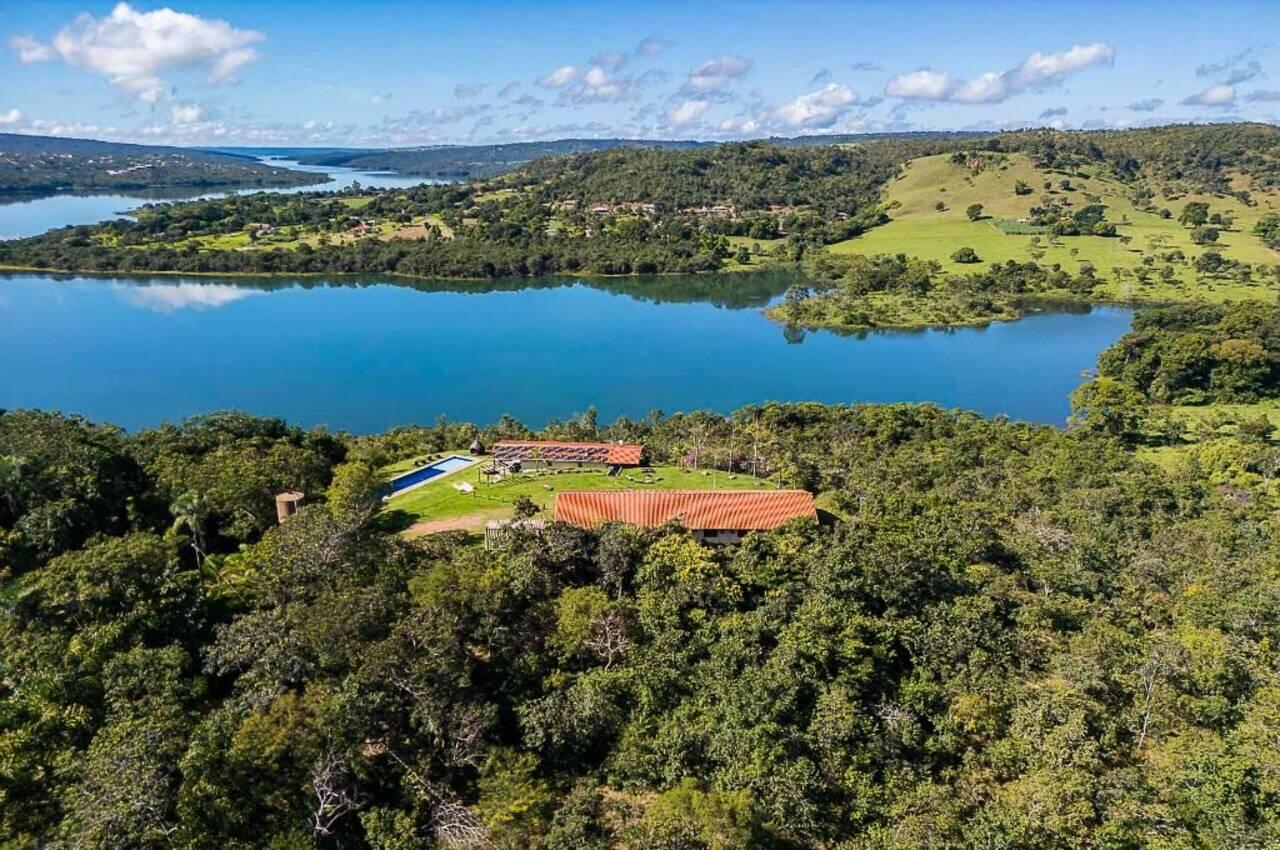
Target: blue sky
[405,73]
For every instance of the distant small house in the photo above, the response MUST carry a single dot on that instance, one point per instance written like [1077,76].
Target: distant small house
[553,454]
[715,211]
[714,516]
[602,209]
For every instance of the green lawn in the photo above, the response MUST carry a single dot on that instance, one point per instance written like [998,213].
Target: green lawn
[1208,425]
[919,229]
[439,499]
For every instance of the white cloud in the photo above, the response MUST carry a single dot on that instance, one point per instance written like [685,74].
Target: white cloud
[1263,96]
[652,46]
[716,74]
[509,89]
[560,77]
[919,85]
[29,50]
[469,89]
[594,83]
[740,126]
[133,49]
[1220,95]
[1042,69]
[10,117]
[686,111]
[1037,71]
[186,113]
[986,88]
[816,109]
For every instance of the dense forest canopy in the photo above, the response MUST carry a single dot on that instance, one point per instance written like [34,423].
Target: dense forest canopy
[1200,354]
[999,635]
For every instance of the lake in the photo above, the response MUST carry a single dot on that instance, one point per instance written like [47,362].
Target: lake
[25,215]
[365,355]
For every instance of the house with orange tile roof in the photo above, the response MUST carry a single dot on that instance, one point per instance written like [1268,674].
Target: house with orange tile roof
[714,516]
[555,454]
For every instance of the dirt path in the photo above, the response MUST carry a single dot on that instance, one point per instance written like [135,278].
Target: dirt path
[467,522]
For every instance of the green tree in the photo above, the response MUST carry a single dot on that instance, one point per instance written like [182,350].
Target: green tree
[1194,214]
[1107,405]
[355,492]
[1204,235]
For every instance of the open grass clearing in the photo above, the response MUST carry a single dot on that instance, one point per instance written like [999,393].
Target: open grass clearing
[440,499]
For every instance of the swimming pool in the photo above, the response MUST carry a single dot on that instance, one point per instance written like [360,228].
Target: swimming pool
[423,474]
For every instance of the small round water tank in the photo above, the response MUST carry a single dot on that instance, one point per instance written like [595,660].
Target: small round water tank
[287,504]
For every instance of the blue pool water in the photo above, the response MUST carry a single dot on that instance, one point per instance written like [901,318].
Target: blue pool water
[425,473]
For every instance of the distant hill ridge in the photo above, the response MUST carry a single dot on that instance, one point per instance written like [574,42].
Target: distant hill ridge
[52,163]
[479,161]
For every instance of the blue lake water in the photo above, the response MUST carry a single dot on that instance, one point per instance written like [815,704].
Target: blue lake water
[368,355]
[29,216]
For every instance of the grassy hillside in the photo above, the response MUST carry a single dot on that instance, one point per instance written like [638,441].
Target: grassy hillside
[919,229]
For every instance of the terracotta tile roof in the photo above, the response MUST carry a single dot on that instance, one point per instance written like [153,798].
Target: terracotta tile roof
[698,510]
[553,450]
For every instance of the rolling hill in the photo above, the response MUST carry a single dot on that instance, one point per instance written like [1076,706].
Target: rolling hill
[51,164]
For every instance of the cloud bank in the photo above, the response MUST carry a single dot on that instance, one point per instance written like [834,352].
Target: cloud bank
[1037,71]
[134,50]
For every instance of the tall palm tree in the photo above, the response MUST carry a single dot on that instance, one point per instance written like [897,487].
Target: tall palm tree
[191,511]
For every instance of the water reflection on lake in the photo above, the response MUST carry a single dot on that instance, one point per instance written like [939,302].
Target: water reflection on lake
[366,354]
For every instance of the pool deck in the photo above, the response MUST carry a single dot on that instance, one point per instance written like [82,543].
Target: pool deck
[471,461]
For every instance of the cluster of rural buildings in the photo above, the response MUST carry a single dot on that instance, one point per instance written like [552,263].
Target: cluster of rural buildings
[649,210]
[713,516]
